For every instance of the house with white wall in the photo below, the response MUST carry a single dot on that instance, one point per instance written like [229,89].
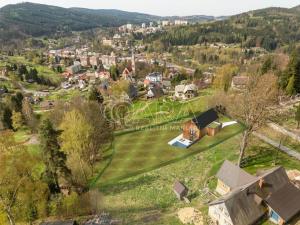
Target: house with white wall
[269,193]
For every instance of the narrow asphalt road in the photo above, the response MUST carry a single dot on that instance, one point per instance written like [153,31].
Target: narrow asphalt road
[282,148]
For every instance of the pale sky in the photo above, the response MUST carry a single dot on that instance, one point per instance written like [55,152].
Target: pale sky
[170,7]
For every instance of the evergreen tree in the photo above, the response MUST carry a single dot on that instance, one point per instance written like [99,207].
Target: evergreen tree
[293,70]
[54,159]
[15,103]
[22,70]
[267,65]
[17,120]
[95,95]
[290,88]
[28,114]
[297,116]
[114,72]
[6,118]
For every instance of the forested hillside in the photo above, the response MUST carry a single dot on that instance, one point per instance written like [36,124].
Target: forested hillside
[267,28]
[26,19]
[29,19]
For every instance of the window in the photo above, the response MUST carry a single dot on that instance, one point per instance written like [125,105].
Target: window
[274,216]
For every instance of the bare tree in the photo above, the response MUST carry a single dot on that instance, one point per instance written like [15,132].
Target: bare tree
[252,106]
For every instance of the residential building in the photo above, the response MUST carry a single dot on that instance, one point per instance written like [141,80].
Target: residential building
[165,23]
[94,60]
[181,22]
[127,74]
[230,177]
[239,82]
[167,85]
[109,60]
[153,78]
[117,37]
[270,193]
[129,26]
[85,61]
[204,124]
[103,75]
[107,42]
[184,92]
[155,91]
[75,68]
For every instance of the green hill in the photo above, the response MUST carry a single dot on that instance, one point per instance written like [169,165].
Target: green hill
[29,19]
[267,28]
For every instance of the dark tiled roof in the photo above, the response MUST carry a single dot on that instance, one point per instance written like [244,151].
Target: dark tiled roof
[273,180]
[205,118]
[157,91]
[233,176]
[179,188]
[244,202]
[285,202]
[243,208]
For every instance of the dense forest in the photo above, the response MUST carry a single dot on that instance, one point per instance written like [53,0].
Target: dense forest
[28,19]
[267,28]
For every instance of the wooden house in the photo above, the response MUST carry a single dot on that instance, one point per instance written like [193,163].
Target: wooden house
[205,124]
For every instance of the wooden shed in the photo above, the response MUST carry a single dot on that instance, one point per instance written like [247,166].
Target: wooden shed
[180,190]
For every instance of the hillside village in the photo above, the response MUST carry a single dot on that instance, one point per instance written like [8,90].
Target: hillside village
[113,125]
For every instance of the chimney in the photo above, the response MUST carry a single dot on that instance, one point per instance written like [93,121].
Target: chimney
[261,183]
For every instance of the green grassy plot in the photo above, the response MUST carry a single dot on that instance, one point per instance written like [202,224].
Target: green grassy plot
[140,151]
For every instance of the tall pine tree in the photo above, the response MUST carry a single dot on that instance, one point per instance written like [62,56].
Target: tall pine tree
[293,71]
[54,159]
[297,116]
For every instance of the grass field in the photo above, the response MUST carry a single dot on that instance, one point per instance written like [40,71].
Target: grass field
[42,70]
[140,151]
[160,110]
[22,135]
[148,198]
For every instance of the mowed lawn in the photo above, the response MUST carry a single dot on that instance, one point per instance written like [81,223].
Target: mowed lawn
[144,150]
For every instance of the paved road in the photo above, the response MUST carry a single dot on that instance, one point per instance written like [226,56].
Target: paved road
[284,131]
[282,148]
[189,70]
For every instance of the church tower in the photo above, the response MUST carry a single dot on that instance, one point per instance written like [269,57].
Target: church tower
[133,62]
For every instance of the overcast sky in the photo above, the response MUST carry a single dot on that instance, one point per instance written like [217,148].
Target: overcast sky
[170,7]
